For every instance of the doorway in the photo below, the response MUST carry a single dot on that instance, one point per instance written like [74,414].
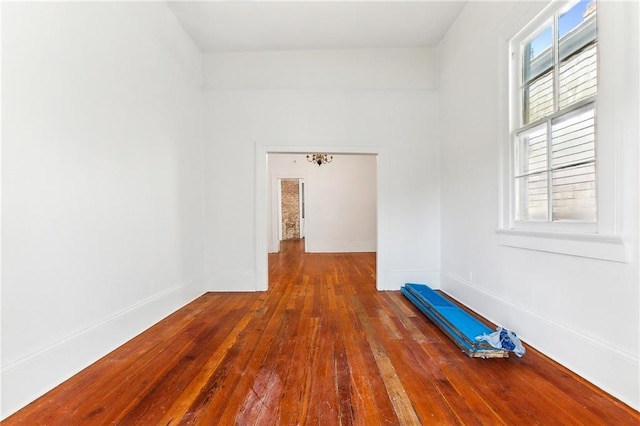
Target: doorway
[266,193]
[291,211]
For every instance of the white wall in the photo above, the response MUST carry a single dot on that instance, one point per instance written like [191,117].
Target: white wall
[580,311]
[101,183]
[264,111]
[340,201]
[349,69]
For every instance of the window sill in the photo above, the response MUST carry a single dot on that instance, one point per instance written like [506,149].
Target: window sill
[594,246]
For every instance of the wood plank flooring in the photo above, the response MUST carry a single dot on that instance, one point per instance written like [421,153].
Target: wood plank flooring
[321,347]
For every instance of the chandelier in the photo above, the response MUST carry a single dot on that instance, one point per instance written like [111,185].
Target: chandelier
[320,159]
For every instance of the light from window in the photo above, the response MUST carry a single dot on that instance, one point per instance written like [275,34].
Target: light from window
[555,145]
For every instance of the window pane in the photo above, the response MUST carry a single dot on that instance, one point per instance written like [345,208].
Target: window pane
[531,151]
[578,76]
[538,98]
[573,138]
[531,197]
[537,55]
[577,27]
[574,193]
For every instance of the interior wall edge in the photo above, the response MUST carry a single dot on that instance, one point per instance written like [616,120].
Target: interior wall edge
[232,281]
[262,149]
[341,246]
[34,375]
[590,358]
[400,277]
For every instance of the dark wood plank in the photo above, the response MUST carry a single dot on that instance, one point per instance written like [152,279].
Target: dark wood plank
[322,346]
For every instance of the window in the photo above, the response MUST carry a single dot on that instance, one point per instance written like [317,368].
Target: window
[570,144]
[553,138]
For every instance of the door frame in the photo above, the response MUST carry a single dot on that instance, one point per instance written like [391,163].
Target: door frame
[276,196]
[302,206]
[262,203]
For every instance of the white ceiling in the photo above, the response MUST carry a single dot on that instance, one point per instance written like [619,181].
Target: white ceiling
[224,26]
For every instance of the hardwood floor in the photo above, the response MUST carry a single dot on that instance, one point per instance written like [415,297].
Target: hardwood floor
[321,347]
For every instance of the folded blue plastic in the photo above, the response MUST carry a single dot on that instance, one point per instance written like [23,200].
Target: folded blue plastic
[461,327]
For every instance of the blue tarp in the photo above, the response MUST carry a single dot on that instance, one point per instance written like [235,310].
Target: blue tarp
[462,327]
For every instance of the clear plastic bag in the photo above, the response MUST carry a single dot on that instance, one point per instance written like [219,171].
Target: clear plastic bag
[503,339]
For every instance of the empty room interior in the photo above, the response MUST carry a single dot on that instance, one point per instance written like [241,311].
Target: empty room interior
[152,275]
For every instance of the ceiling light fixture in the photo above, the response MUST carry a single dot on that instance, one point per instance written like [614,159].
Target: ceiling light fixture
[320,159]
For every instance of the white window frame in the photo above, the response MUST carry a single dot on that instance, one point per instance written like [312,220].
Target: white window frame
[603,239]
[545,20]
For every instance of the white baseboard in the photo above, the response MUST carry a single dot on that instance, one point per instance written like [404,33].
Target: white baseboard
[240,281]
[612,369]
[340,246]
[30,377]
[397,278]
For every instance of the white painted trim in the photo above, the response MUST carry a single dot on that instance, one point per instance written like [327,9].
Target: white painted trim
[595,246]
[614,126]
[261,236]
[539,317]
[341,246]
[236,281]
[302,208]
[399,277]
[1,221]
[275,234]
[537,330]
[276,207]
[31,376]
